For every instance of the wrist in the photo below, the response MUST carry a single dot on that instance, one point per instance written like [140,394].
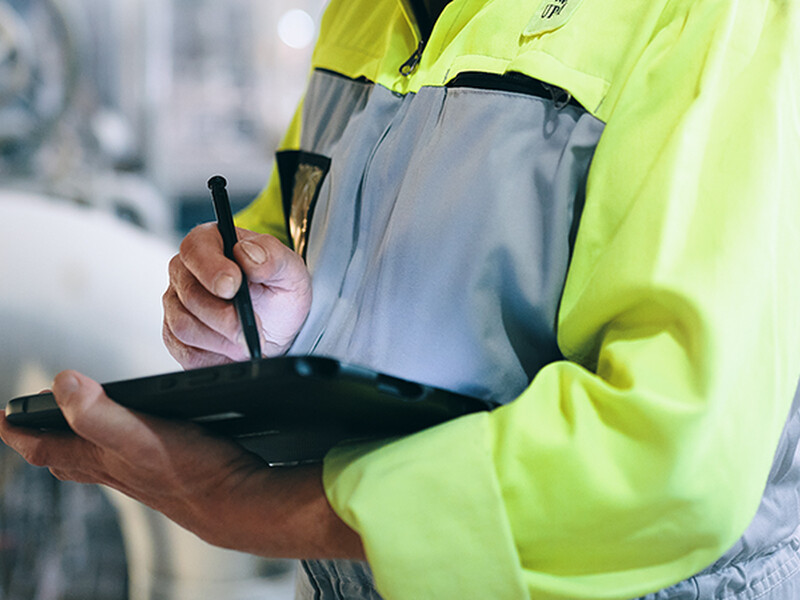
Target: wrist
[279,513]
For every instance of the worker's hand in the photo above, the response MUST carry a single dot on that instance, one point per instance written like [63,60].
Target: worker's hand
[201,327]
[209,485]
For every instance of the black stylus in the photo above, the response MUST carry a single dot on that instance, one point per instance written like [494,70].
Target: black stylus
[242,301]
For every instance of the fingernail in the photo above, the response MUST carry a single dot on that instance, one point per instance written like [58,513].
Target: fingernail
[255,252]
[225,286]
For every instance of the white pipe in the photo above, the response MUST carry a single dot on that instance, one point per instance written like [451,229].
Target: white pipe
[81,289]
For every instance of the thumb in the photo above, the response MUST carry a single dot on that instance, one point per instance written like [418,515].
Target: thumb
[92,415]
[266,260]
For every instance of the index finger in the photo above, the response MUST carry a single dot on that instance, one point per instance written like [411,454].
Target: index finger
[201,252]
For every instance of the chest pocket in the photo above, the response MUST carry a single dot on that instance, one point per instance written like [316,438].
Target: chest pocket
[301,176]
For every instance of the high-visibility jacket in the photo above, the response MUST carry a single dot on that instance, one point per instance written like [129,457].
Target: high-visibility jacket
[589,212]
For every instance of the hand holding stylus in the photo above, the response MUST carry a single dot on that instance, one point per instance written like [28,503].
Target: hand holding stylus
[209,485]
[201,324]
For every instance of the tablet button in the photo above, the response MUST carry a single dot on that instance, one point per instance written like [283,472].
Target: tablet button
[236,371]
[304,368]
[167,383]
[203,377]
[407,390]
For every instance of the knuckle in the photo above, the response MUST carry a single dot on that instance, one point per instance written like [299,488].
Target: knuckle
[175,263]
[179,275]
[37,455]
[194,240]
[180,325]
[192,296]
[175,270]
[166,336]
[183,306]
[168,298]
[177,349]
[191,238]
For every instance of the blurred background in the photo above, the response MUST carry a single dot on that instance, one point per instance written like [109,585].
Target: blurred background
[113,114]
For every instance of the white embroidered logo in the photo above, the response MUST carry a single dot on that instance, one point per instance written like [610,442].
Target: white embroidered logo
[551,15]
[553,8]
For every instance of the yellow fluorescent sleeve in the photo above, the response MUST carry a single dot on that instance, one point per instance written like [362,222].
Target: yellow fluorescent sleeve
[641,458]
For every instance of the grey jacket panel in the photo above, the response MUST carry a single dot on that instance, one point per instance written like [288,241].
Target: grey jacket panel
[332,102]
[479,241]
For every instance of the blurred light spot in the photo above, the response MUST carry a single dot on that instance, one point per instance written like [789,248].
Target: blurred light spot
[296,28]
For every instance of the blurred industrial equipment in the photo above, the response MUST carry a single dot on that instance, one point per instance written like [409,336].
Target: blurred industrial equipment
[113,113]
[115,103]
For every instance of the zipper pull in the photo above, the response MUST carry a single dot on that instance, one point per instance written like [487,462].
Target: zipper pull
[560,96]
[408,67]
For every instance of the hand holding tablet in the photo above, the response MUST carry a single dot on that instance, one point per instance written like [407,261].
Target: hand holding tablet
[286,409]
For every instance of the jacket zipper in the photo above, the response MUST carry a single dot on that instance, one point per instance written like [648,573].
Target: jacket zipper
[410,65]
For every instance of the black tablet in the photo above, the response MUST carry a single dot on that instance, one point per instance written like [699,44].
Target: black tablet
[288,410]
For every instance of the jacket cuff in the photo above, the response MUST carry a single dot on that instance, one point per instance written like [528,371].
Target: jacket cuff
[410,499]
